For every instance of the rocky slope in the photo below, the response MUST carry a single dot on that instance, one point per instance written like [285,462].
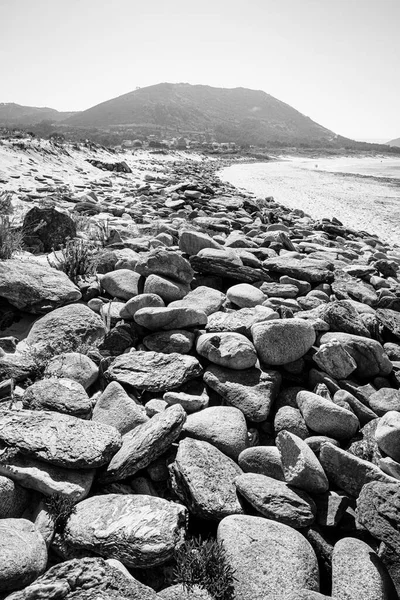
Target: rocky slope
[15,114]
[230,368]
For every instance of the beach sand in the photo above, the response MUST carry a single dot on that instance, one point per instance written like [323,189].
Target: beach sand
[345,188]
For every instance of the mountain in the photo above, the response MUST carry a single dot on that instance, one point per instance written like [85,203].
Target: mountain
[395,142]
[237,114]
[15,114]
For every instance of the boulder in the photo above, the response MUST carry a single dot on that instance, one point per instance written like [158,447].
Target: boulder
[46,228]
[335,360]
[301,467]
[122,283]
[281,341]
[231,350]
[264,460]
[154,371]
[378,510]
[14,499]
[65,329]
[144,444]
[59,395]
[34,287]
[203,478]
[240,321]
[306,269]
[116,408]
[279,559]
[23,554]
[168,318]
[141,531]
[165,263]
[73,365]
[385,400]
[276,500]
[202,298]
[222,426]
[141,301]
[252,391]
[325,417]
[175,340]
[59,439]
[245,295]
[357,572]
[388,434]
[191,242]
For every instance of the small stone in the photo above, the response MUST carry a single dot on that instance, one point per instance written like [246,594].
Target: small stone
[175,340]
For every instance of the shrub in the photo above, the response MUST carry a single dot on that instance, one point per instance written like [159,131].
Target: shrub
[76,259]
[204,563]
[10,238]
[60,509]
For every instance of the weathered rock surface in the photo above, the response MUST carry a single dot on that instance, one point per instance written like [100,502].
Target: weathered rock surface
[35,288]
[252,391]
[116,408]
[281,341]
[14,499]
[378,507]
[59,439]
[313,271]
[154,371]
[265,460]
[141,531]
[59,395]
[203,478]
[23,555]
[73,365]
[231,350]
[175,317]
[276,500]
[142,445]
[85,579]
[325,417]
[278,557]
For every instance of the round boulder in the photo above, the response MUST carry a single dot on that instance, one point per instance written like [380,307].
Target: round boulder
[281,341]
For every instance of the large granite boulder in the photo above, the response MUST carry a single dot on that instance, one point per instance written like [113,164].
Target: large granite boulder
[203,478]
[34,287]
[270,559]
[23,554]
[141,531]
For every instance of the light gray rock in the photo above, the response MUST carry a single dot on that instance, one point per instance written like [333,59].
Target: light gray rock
[281,341]
[59,439]
[252,391]
[325,417]
[335,360]
[301,467]
[23,554]
[35,288]
[48,479]
[240,321]
[144,444]
[222,426]
[348,472]
[141,301]
[245,295]
[14,499]
[165,263]
[288,418]
[306,269]
[357,572]
[203,478]
[116,408]
[59,395]
[331,507]
[73,365]
[141,531]
[122,283]
[278,557]
[202,298]
[385,400]
[265,460]
[64,330]
[179,592]
[387,434]
[154,371]
[276,500]
[191,242]
[230,350]
[178,317]
[168,289]
[192,396]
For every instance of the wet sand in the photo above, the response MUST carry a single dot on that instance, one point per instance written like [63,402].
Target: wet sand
[346,188]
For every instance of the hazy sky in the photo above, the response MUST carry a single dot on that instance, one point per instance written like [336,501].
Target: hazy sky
[337,61]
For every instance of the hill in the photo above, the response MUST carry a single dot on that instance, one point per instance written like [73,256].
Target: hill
[15,114]
[239,114]
[395,142]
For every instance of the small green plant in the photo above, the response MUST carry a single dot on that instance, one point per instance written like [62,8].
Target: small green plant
[60,509]
[76,259]
[10,238]
[204,563]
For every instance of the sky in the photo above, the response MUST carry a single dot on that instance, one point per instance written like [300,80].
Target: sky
[336,61]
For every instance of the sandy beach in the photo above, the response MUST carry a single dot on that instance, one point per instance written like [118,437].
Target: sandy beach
[363,193]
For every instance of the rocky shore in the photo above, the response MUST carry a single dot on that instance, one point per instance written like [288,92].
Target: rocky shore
[179,358]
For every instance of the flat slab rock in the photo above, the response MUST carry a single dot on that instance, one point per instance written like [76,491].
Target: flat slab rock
[203,478]
[141,531]
[307,269]
[59,439]
[35,288]
[154,371]
[85,579]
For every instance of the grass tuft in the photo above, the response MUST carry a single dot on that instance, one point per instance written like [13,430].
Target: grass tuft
[204,563]
[76,259]
[10,238]
[60,509]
